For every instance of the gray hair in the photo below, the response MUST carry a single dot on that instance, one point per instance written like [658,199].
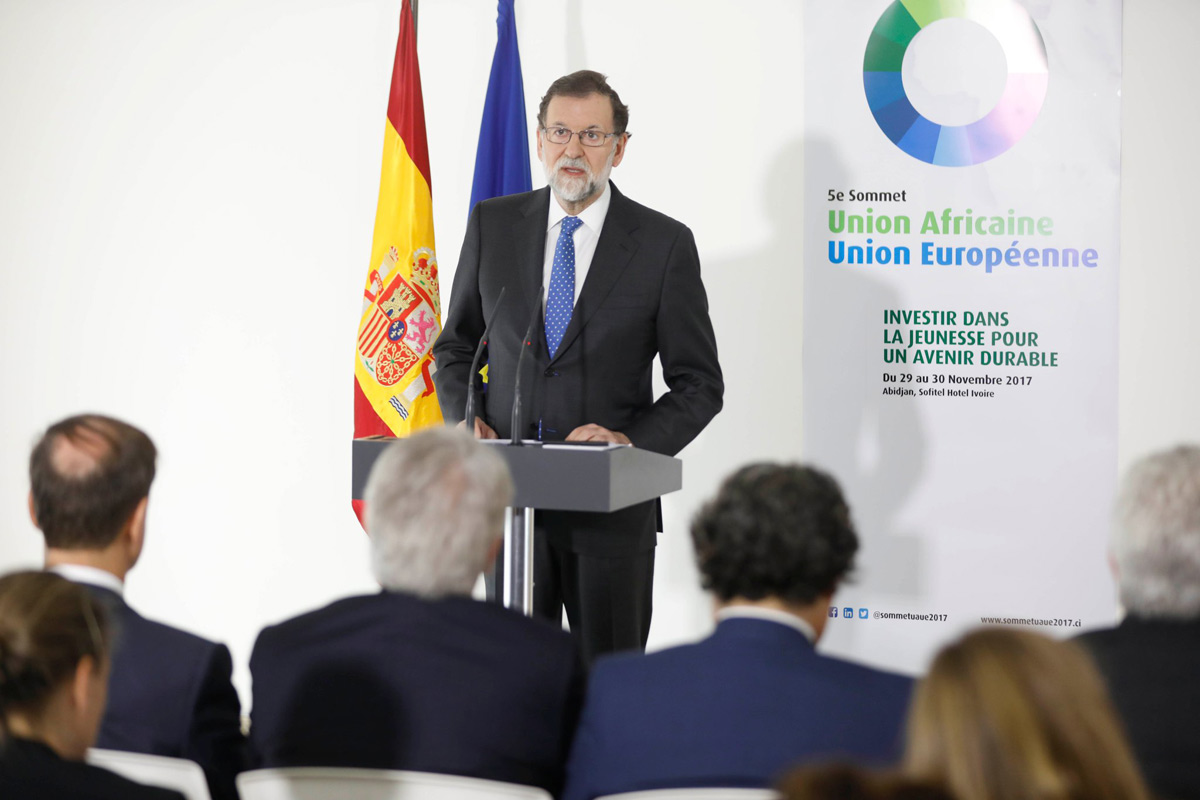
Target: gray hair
[1156,535]
[435,505]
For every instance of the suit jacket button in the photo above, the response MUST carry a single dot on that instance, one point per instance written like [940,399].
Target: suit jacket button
[551,373]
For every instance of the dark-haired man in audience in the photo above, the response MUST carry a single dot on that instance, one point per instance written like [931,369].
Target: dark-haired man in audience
[169,692]
[1151,661]
[755,697]
[420,676]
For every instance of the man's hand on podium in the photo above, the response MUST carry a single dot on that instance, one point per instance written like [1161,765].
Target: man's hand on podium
[597,433]
[482,429]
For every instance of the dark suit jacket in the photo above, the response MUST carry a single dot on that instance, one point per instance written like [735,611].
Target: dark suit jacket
[392,681]
[643,296]
[169,694]
[733,710]
[1152,668]
[32,771]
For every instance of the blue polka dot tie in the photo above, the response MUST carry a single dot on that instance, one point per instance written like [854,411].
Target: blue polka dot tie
[560,301]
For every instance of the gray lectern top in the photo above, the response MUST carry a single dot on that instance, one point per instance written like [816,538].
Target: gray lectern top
[563,476]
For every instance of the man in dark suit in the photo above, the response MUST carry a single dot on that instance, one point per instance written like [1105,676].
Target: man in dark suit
[621,285]
[169,691]
[422,677]
[1151,660]
[755,697]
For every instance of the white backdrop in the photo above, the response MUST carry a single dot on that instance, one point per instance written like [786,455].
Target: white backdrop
[187,194]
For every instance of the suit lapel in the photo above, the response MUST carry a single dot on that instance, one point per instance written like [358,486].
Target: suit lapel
[530,245]
[613,254]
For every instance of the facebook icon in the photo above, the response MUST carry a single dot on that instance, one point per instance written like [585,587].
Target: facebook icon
[862,613]
[833,611]
[848,612]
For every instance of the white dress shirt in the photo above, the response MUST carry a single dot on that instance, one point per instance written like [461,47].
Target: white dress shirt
[585,238]
[80,573]
[770,615]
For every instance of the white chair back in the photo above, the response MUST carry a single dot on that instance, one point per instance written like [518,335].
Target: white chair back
[169,773]
[338,783]
[696,794]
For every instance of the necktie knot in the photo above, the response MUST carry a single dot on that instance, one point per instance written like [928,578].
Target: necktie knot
[560,299]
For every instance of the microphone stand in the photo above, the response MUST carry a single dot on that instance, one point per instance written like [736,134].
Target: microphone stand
[469,414]
[518,523]
[530,333]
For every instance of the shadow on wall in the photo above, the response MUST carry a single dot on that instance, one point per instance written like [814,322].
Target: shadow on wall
[875,450]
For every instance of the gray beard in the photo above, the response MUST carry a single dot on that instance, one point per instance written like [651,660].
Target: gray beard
[574,190]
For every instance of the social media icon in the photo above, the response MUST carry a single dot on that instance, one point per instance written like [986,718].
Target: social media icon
[833,611]
[848,612]
[862,613]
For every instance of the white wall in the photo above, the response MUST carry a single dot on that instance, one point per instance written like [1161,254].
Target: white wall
[187,194]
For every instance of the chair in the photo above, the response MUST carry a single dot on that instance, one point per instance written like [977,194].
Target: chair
[341,783]
[696,794]
[169,773]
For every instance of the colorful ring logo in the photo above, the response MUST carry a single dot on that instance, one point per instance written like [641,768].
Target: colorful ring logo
[955,145]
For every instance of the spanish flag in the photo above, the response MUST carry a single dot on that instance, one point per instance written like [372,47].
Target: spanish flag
[401,309]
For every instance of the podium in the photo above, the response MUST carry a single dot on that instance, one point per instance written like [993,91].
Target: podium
[558,476]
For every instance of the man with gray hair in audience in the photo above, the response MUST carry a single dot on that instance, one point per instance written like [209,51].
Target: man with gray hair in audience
[420,676]
[1151,660]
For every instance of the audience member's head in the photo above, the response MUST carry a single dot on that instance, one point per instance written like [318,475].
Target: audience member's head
[1012,715]
[1156,535]
[435,512]
[775,531]
[90,478]
[851,782]
[53,662]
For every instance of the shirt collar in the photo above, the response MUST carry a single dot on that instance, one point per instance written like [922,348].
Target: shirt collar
[592,216]
[769,615]
[79,573]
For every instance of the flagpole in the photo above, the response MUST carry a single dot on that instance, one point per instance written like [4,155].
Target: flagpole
[414,13]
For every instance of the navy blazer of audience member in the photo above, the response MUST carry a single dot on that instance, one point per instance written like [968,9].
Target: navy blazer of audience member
[170,692]
[421,676]
[735,709]
[1151,661]
[755,698]
[396,681]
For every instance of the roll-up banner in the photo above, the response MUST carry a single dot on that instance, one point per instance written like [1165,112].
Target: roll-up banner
[961,248]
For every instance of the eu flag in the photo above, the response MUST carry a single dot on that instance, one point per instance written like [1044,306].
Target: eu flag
[502,160]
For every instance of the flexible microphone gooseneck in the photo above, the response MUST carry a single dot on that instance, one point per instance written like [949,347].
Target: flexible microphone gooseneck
[469,414]
[515,433]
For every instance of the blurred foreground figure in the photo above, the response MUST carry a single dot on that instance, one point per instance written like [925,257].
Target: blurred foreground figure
[1013,715]
[420,676]
[54,647]
[755,697]
[170,692]
[1151,661]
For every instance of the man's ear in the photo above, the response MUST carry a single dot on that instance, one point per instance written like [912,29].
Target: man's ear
[135,530]
[622,140]
[33,511]
[537,137]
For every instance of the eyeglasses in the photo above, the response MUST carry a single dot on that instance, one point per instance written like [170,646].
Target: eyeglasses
[588,138]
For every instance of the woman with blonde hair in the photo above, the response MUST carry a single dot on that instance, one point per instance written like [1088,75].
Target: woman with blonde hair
[1012,715]
[54,648]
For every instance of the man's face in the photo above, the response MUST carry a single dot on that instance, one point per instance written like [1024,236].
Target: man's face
[576,173]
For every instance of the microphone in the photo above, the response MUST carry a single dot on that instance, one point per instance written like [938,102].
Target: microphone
[469,414]
[515,433]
